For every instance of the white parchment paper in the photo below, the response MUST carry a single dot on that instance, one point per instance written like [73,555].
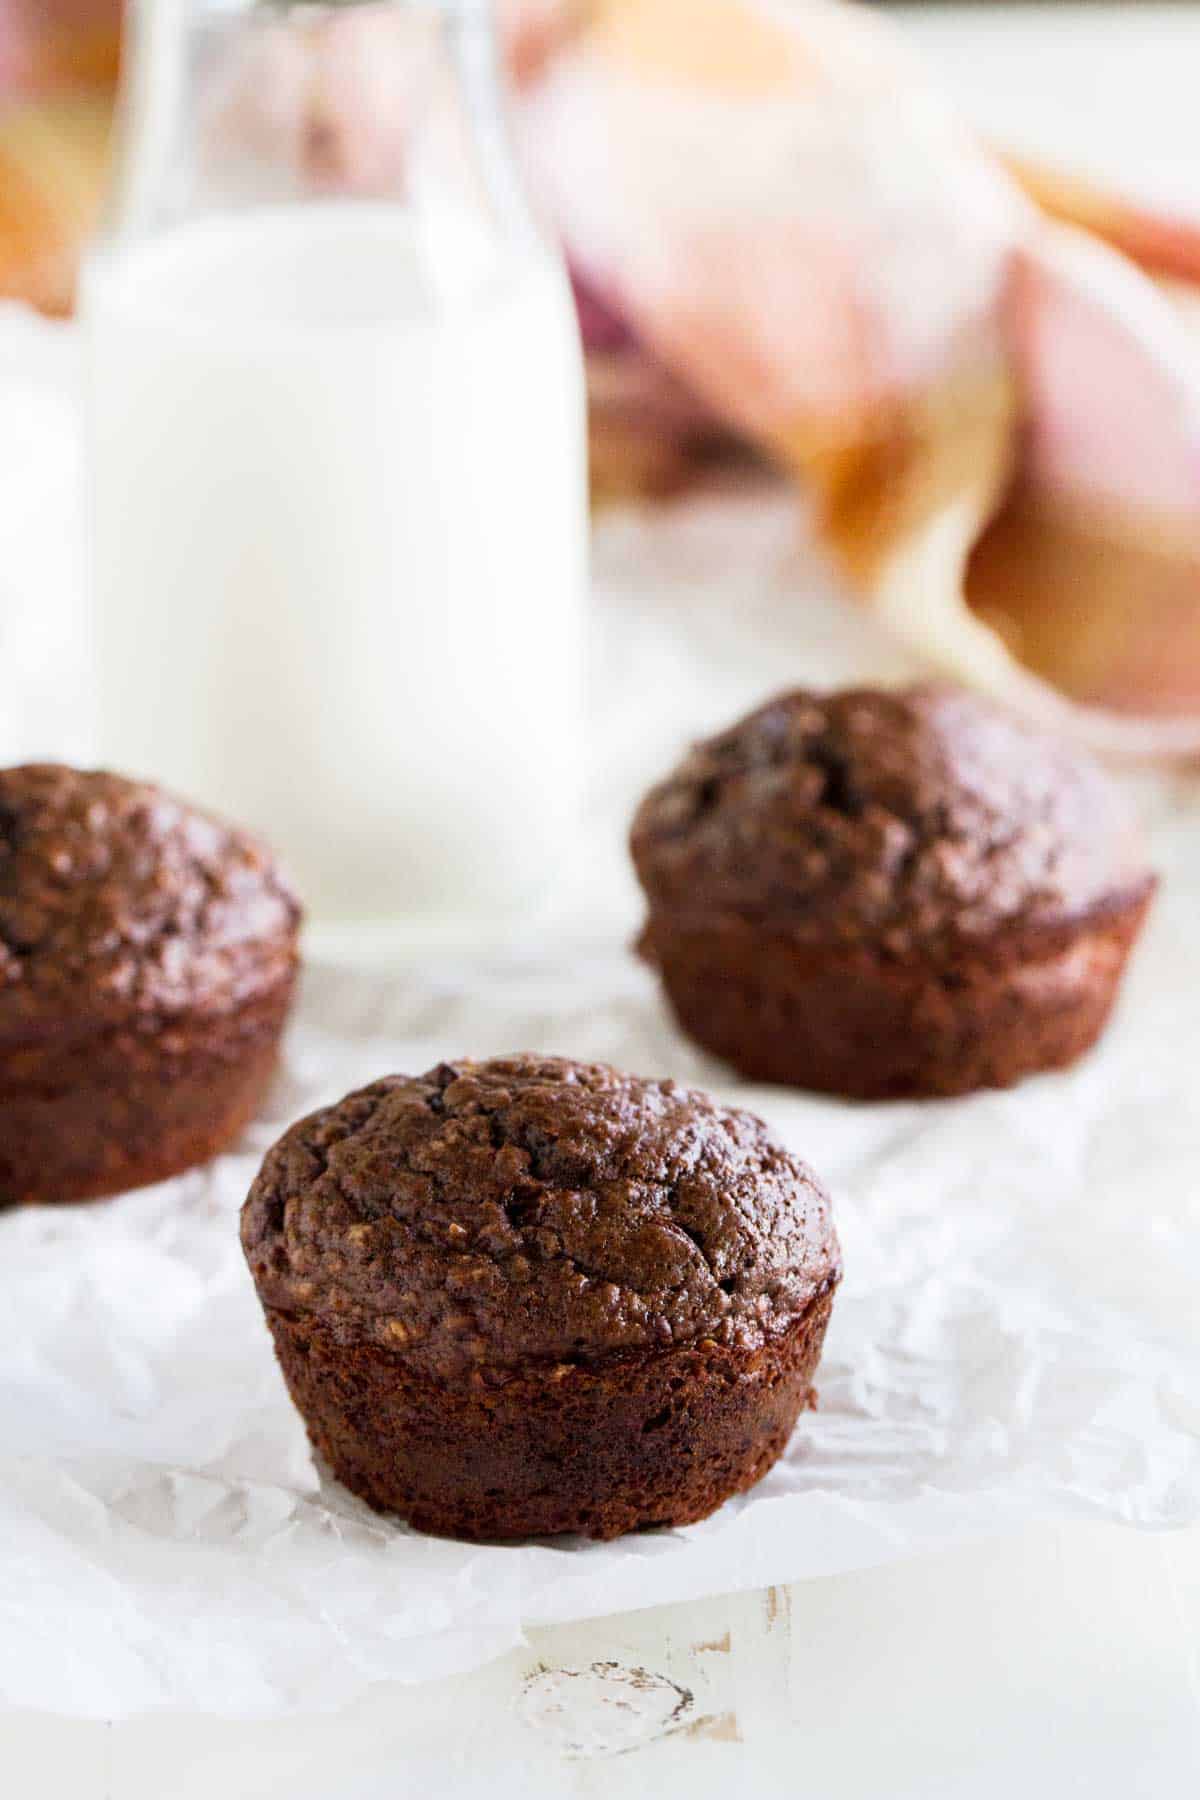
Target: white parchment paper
[1016,1337]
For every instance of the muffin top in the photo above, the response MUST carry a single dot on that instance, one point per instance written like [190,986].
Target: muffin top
[529,1207]
[895,818]
[118,902]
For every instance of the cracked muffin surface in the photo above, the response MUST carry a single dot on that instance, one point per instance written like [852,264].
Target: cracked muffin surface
[530,1296]
[118,900]
[148,959]
[532,1207]
[901,818]
[887,894]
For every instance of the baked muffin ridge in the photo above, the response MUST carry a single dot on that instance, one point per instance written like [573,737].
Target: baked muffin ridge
[116,899]
[530,1207]
[900,817]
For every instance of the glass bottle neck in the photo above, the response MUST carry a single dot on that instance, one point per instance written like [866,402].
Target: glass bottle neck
[235,103]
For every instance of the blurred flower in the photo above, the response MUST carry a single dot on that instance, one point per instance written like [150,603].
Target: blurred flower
[788,220]
[785,245]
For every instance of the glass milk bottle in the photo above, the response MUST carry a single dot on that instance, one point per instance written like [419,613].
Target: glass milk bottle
[337,456]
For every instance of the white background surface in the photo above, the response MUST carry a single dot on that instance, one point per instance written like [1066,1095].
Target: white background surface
[1014,1343]
[1066,1661]
[1104,91]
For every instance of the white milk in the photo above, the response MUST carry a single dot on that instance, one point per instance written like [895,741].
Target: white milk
[339,547]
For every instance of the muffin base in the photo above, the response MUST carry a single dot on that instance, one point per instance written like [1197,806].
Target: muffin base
[621,1444]
[855,1021]
[87,1116]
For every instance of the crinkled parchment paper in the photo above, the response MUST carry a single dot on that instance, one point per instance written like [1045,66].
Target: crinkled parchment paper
[1016,1337]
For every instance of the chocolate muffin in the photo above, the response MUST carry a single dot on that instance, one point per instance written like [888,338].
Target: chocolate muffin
[147,961]
[877,894]
[532,1296]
